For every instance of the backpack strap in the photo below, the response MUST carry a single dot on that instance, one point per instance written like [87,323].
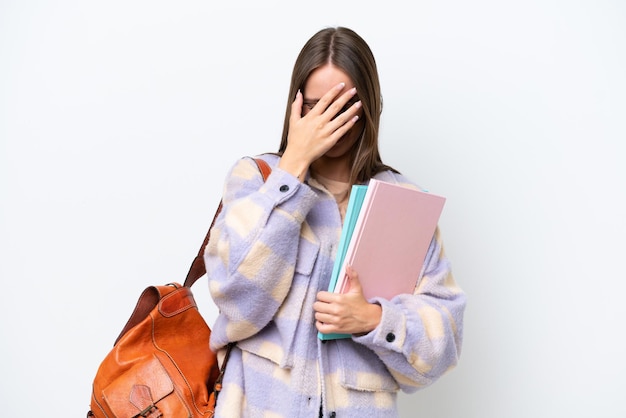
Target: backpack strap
[198,269]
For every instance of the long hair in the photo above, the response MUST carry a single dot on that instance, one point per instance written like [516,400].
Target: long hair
[346,50]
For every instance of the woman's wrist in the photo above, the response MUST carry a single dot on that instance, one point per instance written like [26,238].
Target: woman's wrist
[296,168]
[372,318]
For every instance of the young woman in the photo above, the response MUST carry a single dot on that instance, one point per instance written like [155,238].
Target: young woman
[272,250]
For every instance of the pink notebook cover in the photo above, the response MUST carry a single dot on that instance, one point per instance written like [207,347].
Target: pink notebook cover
[390,239]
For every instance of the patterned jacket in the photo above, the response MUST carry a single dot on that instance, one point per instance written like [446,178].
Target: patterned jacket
[271,250]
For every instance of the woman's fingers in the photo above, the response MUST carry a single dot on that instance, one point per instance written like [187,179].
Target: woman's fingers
[324,103]
[312,133]
[344,121]
[296,106]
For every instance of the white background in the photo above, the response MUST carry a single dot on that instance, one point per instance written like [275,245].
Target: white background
[119,120]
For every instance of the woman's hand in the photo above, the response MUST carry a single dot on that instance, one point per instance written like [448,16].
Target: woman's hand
[311,135]
[347,313]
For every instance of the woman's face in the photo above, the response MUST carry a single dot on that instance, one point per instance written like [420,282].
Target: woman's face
[319,83]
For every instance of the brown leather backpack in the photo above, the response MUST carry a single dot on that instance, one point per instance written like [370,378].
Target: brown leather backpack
[161,364]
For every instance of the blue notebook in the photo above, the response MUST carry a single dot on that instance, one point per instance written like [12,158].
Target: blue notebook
[357,194]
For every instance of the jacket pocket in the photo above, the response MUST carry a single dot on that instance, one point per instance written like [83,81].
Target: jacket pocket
[361,369]
[275,342]
[308,250]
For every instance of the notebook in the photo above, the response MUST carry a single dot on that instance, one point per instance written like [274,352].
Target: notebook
[389,241]
[357,195]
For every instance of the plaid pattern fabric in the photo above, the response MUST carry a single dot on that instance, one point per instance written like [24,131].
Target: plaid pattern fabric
[271,250]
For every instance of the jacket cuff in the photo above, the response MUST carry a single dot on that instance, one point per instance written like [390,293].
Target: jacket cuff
[285,190]
[390,332]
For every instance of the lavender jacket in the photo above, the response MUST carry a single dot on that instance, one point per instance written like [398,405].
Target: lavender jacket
[271,250]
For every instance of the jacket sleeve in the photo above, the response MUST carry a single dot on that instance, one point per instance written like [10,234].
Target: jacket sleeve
[251,255]
[419,337]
